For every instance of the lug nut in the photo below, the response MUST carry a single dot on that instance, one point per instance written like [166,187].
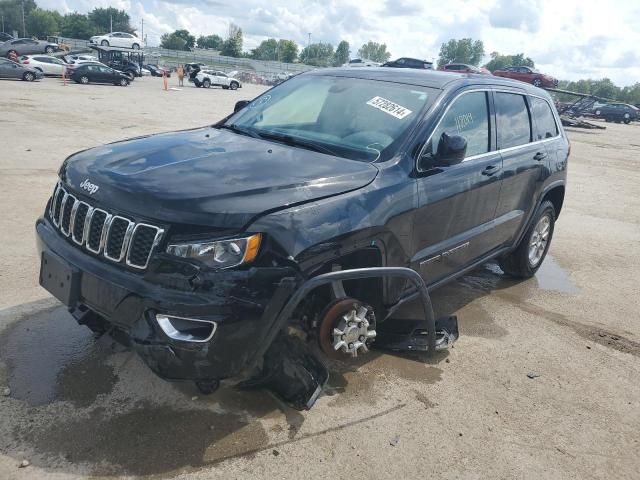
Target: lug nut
[341,337]
[351,346]
[361,338]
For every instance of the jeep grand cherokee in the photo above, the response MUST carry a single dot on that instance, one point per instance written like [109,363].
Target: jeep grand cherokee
[294,228]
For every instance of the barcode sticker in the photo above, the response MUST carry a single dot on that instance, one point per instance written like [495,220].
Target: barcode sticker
[387,106]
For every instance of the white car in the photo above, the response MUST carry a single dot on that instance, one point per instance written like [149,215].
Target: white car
[358,62]
[206,78]
[117,39]
[80,58]
[46,64]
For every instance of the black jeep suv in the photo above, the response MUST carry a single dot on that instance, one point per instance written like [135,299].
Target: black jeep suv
[293,229]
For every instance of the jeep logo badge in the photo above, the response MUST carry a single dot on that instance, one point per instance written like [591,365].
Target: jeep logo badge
[89,187]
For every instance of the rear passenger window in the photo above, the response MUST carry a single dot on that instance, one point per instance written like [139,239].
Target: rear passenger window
[469,118]
[546,126]
[514,127]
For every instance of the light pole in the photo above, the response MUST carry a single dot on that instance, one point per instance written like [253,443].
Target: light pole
[24,30]
[309,42]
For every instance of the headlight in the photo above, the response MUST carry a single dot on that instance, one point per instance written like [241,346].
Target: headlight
[221,253]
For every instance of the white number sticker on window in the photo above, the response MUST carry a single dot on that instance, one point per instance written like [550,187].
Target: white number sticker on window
[387,106]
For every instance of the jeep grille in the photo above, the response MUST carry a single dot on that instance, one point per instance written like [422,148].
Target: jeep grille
[116,238]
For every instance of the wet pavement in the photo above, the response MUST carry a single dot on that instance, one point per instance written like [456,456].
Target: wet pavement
[122,413]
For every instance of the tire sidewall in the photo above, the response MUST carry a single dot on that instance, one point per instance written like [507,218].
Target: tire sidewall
[29,77]
[233,86]
[84,80]
[206,84]
[124,82]
[545,209]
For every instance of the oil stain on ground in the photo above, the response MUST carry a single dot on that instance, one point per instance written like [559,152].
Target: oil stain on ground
[49,358]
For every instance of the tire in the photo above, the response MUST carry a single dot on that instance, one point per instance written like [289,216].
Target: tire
[135,46]
[29,76]
[123,82]
[528,256]
[224,87]
[131,76]
[104,43]
[206,83]
[537,82]
[627,121]
[48,49]
[598,113]
[10,52]
[233,86]
[84,80]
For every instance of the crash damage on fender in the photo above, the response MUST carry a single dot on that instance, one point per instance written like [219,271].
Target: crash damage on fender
[290,233]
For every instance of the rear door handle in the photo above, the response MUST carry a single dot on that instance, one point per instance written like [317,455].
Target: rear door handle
[540,156]
[491,170]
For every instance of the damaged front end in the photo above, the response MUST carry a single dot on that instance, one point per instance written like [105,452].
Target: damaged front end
[291,366]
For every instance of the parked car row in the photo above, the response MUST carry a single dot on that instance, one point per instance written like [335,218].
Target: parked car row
[617,112]
[26,46]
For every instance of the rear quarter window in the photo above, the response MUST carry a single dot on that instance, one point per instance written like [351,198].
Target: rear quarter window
[514,126]
[545,122]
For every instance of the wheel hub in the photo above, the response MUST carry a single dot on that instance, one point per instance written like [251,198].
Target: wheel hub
[352,332]
[347,328]
[539,240]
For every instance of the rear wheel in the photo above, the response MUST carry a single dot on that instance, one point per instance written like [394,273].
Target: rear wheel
[233,86]
[526,259]
[10,52]
[84,80]
[537,82]
[124,82]
[29,77]
[48,49]
[598,113]
[135,46]
[206,83]
[104,43]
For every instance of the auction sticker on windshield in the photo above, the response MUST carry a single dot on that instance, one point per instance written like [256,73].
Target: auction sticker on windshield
[387,106]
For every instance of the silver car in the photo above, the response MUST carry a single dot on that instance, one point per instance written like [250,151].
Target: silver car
[26,46]
[9,69]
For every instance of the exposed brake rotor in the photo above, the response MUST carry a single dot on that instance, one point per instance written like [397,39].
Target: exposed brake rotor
[347,327]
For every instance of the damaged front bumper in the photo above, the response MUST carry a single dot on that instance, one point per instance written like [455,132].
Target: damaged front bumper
[233,326]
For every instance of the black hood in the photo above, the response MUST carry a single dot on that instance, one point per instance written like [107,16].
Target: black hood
[209,177]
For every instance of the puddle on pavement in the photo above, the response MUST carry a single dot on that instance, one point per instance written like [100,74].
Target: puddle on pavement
[148,440]
[50,357]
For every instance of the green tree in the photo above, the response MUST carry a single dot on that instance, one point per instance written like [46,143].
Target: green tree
[499,61]
[287,51]
[376,52]
[232,46]
[42,23]
[11,11]
[605,88]
[342,53]
[267,50]
[464,50]
[631,94]
[317,54]
[171,41]
[210,41]
[76,25]
[189,39]
[101,19]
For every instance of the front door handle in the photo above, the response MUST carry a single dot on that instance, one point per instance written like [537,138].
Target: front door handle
[491,170]
[540,156]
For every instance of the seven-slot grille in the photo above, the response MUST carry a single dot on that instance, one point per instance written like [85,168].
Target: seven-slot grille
[112,236]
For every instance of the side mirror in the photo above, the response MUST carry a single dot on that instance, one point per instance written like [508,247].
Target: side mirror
[240,105]
[451,150]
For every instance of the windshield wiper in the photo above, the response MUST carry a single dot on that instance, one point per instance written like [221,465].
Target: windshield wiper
[242,131]
[296,142]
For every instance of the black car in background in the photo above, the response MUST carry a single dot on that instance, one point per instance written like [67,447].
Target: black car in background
[157,71]
[618,112]
[406,62]
[93,73]
[203,248]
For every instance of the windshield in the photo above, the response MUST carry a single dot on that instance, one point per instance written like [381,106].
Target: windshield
[354,118]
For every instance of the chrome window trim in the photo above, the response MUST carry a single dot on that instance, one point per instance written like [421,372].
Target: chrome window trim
[63,206]
[125,240]
[497,151]
[93,212]
[156,241]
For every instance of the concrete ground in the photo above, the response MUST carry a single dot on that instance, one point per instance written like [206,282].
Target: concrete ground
[543,382]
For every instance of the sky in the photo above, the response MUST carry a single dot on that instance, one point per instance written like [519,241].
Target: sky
[570,39]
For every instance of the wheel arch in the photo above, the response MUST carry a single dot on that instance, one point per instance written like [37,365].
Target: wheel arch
[556,196]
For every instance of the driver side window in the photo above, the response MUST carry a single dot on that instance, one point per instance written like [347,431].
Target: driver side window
[468,117]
